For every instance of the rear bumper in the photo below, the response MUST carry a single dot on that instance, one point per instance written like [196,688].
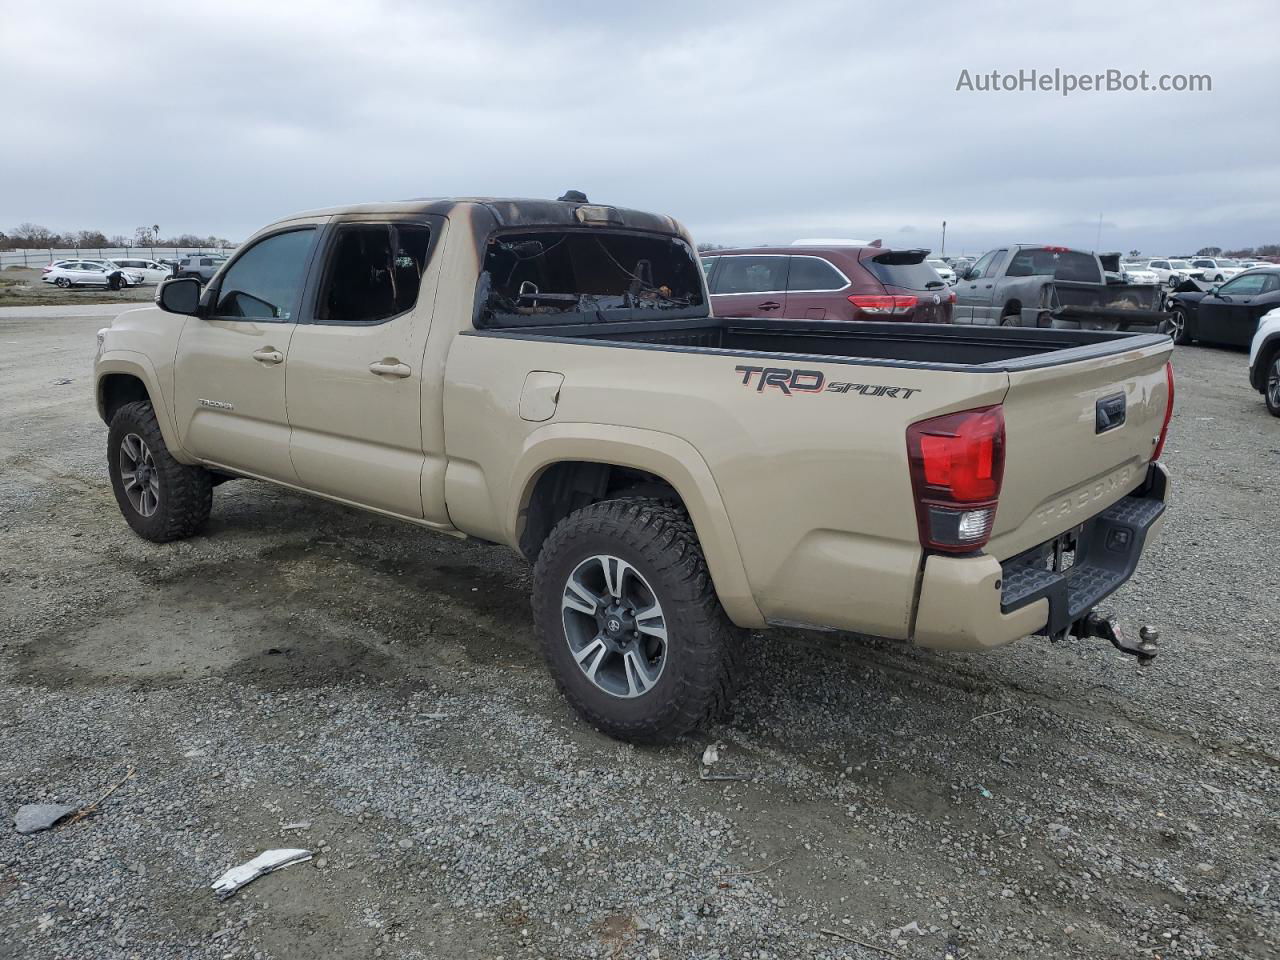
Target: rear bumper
[975,603]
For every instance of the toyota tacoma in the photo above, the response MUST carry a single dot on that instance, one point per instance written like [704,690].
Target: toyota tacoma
[549,375]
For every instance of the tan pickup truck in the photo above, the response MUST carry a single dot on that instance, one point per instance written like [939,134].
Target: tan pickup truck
[548,375]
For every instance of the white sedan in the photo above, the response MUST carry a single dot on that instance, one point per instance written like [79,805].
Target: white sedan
[1139,273]
[151,271]
[943,269]
[88,273]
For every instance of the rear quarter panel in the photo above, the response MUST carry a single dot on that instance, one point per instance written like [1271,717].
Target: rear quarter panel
[814,483]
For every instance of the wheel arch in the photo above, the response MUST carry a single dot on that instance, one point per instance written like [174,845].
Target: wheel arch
[564,467]
[1267,351]
[125,377]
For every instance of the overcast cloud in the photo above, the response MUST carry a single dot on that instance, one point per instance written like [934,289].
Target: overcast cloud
[749,122]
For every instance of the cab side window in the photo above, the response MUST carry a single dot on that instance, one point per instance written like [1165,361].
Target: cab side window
[374,272]
[266,280]
[985,261]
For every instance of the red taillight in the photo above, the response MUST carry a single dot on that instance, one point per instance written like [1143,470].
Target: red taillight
[957,465]
[951,296]
[1168,413]
[883,303]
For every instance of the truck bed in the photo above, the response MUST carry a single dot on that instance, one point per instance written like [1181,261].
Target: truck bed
[940,346]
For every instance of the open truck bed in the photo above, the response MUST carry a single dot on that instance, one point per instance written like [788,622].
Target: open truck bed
[930,346]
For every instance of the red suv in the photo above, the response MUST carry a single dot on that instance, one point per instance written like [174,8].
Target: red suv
[850,282]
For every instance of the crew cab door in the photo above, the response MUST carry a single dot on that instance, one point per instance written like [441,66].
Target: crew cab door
[750,285]
[229,372]
[357,387]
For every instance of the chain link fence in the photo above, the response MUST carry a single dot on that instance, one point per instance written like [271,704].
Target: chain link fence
[38,257]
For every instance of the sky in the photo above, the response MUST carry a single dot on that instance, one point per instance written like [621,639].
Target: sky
[750,122]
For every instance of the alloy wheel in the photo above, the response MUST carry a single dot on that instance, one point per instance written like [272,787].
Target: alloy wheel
[139,475]
[1273,383]
[614,625]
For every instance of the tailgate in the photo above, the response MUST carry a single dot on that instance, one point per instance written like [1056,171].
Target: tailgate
[1121,303]
[1064,460]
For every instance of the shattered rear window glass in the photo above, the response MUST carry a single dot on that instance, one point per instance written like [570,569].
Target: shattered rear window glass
[581,276]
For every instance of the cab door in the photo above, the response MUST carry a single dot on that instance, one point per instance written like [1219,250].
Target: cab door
[967,289]
[357,388]
[982,291]
[750,285]
[229,373]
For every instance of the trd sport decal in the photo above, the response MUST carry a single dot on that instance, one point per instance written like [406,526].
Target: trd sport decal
[812,381]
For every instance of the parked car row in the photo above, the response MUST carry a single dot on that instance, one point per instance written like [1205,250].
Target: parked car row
[130,272]
[90,273]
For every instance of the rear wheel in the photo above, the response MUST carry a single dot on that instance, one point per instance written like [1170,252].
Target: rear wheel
[62,282]
[161,499]
[1273,385]
[629,622]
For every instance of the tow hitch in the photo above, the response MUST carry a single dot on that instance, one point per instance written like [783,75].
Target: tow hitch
[1144,648]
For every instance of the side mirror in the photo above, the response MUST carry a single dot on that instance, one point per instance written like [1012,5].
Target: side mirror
[969,275]
[1213,291]
[180,295]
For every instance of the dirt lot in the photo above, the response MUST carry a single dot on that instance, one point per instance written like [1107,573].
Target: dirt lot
[304,675]
[22,287]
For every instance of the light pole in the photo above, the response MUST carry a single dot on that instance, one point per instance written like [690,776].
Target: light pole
[944,239]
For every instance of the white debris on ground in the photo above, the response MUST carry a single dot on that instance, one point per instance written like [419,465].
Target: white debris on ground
[265,862]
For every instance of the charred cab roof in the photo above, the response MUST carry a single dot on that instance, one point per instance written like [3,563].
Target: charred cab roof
[517,212]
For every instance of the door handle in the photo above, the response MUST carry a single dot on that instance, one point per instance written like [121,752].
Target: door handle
[269,355]
[390,368]
[768,305]
[988,286]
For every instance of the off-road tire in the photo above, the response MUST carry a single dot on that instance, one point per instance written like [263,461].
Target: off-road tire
[186,493]
[704,648]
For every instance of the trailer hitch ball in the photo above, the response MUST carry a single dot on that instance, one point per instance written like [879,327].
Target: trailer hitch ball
[1144,648]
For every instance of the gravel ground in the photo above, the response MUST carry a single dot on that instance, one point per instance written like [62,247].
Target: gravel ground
[305,675]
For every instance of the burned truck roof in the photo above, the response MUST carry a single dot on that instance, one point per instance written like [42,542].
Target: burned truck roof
[517,212]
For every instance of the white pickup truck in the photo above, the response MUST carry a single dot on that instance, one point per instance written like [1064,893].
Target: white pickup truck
[548,375]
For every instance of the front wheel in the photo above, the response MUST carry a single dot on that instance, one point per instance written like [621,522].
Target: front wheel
[1178,327]
[161,499]
[629,622]
[1273,385]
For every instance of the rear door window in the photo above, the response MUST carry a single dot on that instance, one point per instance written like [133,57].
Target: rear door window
[266,280]
[813,275]
[374,272]
[751,275]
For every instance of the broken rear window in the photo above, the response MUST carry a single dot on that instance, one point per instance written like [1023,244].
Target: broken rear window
[582,276]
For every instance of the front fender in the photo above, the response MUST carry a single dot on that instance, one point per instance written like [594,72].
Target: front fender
[674,460]
[139,365]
